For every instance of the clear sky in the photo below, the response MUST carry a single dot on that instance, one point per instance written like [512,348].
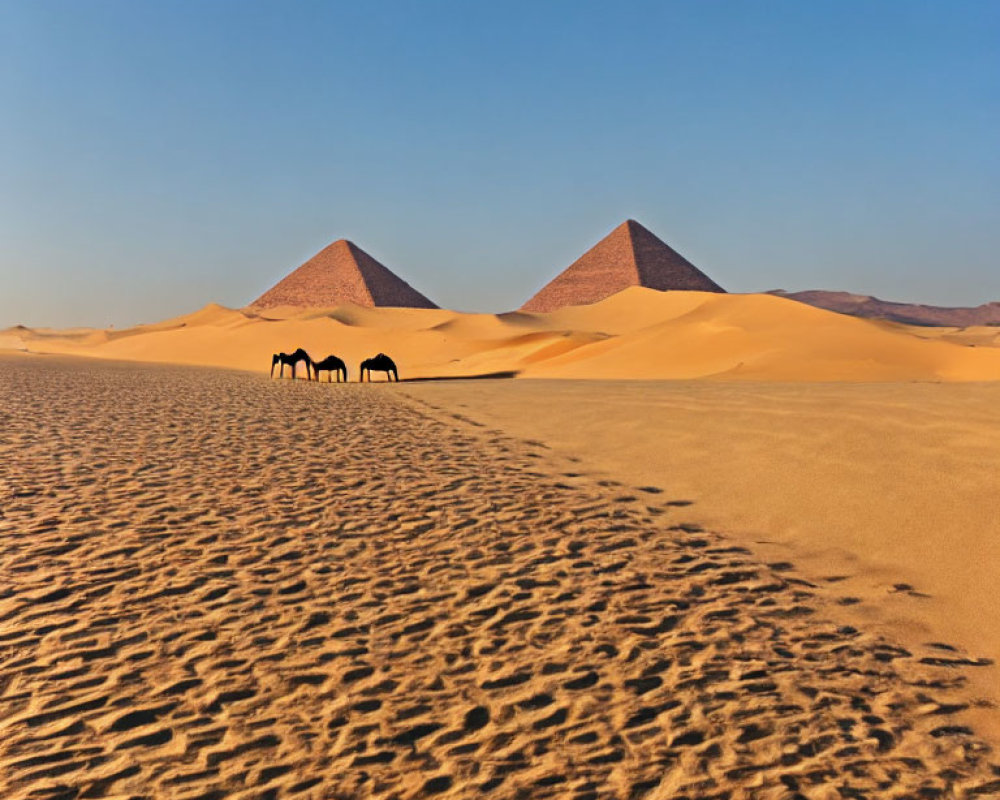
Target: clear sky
[155,156]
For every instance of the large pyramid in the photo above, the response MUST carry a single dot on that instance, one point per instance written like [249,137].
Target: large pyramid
[338,274]
[628,256]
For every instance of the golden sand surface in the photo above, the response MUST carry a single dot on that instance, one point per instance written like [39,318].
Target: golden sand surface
[887,494]
[220,586]
[636,334]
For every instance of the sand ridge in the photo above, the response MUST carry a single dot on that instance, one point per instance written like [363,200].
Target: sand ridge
[220,586]
[636,334]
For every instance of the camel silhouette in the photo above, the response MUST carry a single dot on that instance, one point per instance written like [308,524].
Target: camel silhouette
[292,361]
[331,364]
[379,363]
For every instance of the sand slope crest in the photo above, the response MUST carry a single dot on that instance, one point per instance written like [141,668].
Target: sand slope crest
[638,333]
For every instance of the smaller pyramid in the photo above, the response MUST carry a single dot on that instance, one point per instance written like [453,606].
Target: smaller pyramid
[338,274]
[628,256]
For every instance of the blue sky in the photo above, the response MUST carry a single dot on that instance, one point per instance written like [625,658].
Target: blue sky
[158,156]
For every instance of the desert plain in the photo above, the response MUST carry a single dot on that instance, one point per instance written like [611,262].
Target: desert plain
[667,545]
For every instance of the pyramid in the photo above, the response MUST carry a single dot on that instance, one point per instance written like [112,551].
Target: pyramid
[342,273]
[628,256]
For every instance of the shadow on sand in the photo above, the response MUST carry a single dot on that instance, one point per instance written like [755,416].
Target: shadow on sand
[485,376]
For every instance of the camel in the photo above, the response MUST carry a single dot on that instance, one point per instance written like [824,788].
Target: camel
[331,364]
[292,361]
[380,363]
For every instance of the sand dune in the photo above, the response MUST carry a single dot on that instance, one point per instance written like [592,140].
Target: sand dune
[222,586]
[761,337]
[636,334]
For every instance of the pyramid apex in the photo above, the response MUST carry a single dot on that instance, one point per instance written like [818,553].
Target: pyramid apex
[630,227]
[634,226]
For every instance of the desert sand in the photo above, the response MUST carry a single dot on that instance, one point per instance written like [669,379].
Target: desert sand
[638,333]
[216,585]
[884,494]
[719,546]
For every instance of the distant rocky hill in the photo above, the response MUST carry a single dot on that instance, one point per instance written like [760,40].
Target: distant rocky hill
[861,305]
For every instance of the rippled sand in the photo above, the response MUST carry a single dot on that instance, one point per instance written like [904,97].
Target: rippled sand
[218,586]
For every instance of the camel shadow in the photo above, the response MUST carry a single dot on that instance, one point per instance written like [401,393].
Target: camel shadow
[483,376]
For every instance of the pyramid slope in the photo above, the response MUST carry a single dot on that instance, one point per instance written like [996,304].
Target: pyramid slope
[628,256]
[342,273]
